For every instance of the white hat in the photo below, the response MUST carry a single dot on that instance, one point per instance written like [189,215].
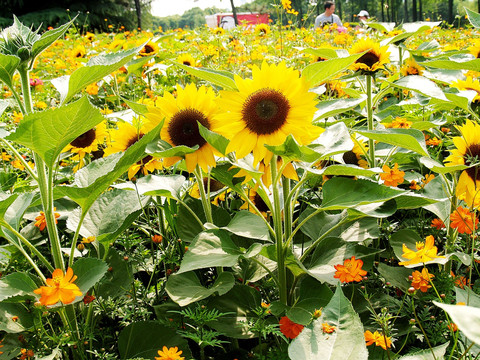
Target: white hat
[363,13]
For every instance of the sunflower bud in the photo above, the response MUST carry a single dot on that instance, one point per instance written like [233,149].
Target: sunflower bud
[24,53]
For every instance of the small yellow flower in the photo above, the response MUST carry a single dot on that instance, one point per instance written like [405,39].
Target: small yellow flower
[169,354]
[425,252]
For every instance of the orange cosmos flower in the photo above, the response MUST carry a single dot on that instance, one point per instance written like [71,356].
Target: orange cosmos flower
[289,328]
[438,224]
[42,222]
[327,329]
[462,220]
[426,251]
[421,280]
[169,354]
[59,288]
[377,338]
[350,271]
[392,176]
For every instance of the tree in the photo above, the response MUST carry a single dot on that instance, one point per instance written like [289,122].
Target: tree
[138,9]
[234,11]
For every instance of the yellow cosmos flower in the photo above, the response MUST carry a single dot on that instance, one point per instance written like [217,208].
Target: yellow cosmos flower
[425,252]
[187,59]
[468,84]
[149,48]
[375,57]
[182,115]
[467,152]
[59,288]
[169,354]
[411,68]
[266,109]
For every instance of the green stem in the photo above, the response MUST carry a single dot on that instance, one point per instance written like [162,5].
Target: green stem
[191,213]
[75,238]
[371,143]
[287,208]
[277,220]
[20,157]
[207,206]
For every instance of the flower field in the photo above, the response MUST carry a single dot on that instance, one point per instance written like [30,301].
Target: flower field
[265,192]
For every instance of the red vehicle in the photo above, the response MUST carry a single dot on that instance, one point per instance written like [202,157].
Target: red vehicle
[226,21]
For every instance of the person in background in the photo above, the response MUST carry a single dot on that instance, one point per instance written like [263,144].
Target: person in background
[363,15]
[328,17]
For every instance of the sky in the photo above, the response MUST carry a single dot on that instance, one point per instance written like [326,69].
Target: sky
[163,8]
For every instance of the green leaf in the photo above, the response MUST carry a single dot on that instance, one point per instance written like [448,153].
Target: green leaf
[248,225]
[410,139]
[438,354]
[397,276]
[185,288]
[473,17]
[143,339]
[119,280]
[334,107]
[347,342]
[376,210]
[439,168]
[218,141]
[239,303]
[13,213]
[140,109]
[10,311]
[346,170]
[95,178]
[224,79]
[214,248]
[156,185]
[161,148]
[413,201]
[341,193]
[95,69]
[8,66]
[49,37]
[16,284]
[467,318]
[334,140]
[319,72]
[89,272]
[48,132]
[325,53]
[291,150]
[421,85]
[107,213]
[473,65]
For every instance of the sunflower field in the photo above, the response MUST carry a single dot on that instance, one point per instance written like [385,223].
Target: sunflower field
[266,192]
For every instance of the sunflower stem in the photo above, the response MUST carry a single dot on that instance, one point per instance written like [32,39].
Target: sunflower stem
[207,206]
[277,220]
[371,143]
[20,158]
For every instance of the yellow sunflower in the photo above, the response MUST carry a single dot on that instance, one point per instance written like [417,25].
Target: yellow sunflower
[475,49]
[266,109]
[78,52]
[357,155]
[467,152]
[289,172]
[125,136]
[469,84]
[182,115]
[411,68]
[87,143]
[375,57]
[262,29]
[149,48]
[257,200]
[215,187]
[187,59]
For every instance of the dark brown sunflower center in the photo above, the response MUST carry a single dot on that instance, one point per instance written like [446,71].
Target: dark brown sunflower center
[260,204]
[412,71]
[321,59]
[133,140]
[187,62]
[369,59]
[84,140]
[265,111]
[214,184]
[350,158]
[79,54]
[183,127]
[147,49]
[472,156]
[145,160]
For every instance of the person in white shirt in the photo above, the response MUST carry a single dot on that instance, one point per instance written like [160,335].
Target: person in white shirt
[328,17]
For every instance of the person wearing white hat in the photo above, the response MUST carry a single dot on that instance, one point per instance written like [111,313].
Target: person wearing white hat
[363,15]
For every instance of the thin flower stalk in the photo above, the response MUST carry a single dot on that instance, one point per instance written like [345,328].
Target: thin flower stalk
[371,143]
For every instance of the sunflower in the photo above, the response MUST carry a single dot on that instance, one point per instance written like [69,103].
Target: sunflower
[149,48]
[87,143]
[411,68]
[467,152]
[289,172]
[475,49]
[257,200]
[182,115]
[125,136]
[356,156]
[469,84]
[215,188]
[262,29]
[78,52]
[373,59]
[187,59]
[265,110]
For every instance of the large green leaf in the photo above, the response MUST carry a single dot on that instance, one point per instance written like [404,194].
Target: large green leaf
[467,318]
[224,79]
[473,65]
[291,150]
[90,186]
[438,354]
[143,339]
[319,72]
[89,272]
[185,288]
[325,53]
[8,66]
[421,85]
[334,140]
[119,280]
[248,225]
[342,193]
[397,276]
[473,17]
[347,342]
[48,132]
[161,148]
[49,37]
[107,214]
[410,139]
[16,284]
[14,214]
[95,69]
[345,170]
[334,107]
[15,317]
[219,142]
[214,248]
[156,185]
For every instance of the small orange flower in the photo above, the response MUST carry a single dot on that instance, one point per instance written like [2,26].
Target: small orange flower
[434,141]
[169,354]
[289,328]
[392,176]
[350,271]
[426,251]
[87,299]
[328,329]
[157,239]
[421,280]
[26,354]
[41,222]
[438,224]
[452,327]
[59,288]
[377,338]
[401,123]
[462,220]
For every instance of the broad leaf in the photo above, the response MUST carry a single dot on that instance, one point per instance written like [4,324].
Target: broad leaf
[15,317]
[161,148]
[16,284]
[473,17]
[322,71]
[248,225]
[224,79]
[8,66]
[473,65]
[334,107]
[291,150]
[438,354]
[14,214]
[324,53]
[334,140]
[48,132]
[397,276]
[185,288]
[89,272]
[218,141]
[467,318]
[156,185]
[119,280]
[410,139]
[421,85]
[49,37]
